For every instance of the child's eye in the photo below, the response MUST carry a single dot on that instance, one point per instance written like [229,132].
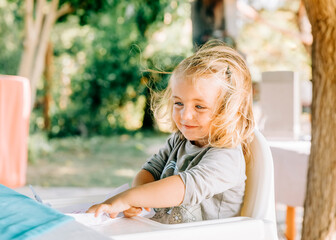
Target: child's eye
[178,103]
[199,107]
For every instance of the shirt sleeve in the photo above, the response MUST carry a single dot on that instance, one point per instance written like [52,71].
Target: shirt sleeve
[156,163]
[218,171]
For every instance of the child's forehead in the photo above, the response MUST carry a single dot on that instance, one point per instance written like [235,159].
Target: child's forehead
[195,81]
[201,87]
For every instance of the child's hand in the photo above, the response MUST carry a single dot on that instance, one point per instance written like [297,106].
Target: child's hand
[134,211]
[112,206]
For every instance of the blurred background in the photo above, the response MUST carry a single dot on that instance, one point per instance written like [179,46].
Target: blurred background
[90,123]
[91,128]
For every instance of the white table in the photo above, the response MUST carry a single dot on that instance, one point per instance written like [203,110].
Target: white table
[290,177]
[290,171]
[144,228]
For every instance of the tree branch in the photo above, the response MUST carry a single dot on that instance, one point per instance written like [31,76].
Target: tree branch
[65,9]
[28,51]
[40,8]
[29,20]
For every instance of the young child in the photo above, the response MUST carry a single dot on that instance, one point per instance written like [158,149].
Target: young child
[200,173]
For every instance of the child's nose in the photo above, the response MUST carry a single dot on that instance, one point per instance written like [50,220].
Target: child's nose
[187,114]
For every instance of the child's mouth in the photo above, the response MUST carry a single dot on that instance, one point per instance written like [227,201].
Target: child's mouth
[189,126]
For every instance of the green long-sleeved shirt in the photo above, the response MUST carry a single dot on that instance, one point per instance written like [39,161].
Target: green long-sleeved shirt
[214,177]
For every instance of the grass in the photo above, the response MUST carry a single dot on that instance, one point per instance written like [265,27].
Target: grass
[89,162]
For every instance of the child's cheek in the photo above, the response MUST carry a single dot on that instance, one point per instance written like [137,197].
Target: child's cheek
[206,119]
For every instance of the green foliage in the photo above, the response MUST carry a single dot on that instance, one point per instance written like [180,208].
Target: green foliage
[101,56]
[103,49]
[112,68]
[84,9]
[108,91]
[148,12]
[11,26]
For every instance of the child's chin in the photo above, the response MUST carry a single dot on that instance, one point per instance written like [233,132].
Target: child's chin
[192,139]
[189,137]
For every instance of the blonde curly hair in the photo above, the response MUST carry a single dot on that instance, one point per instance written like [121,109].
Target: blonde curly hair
[232,122]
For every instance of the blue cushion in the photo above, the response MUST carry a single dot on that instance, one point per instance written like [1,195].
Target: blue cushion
[22,217]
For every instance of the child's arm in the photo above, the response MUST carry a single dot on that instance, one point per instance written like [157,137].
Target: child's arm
[141,178]
[167,192]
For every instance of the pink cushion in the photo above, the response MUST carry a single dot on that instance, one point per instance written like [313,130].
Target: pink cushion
[14,129]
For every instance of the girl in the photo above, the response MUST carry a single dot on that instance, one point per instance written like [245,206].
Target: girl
[200,173]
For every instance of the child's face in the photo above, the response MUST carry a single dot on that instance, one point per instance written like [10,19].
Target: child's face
[193,107]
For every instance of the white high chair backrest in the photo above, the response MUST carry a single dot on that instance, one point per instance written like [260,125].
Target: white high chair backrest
[259,191]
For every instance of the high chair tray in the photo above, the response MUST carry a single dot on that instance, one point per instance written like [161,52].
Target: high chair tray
[143,228]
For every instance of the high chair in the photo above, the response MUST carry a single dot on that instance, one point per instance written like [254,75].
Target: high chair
[257,220]
[259,200]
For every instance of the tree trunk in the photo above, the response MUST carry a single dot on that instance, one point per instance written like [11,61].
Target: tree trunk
[32,31]
[47,26]
[29,41]
[208,20]
[48,73]
[148,119]
[37,33]
[320,204]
